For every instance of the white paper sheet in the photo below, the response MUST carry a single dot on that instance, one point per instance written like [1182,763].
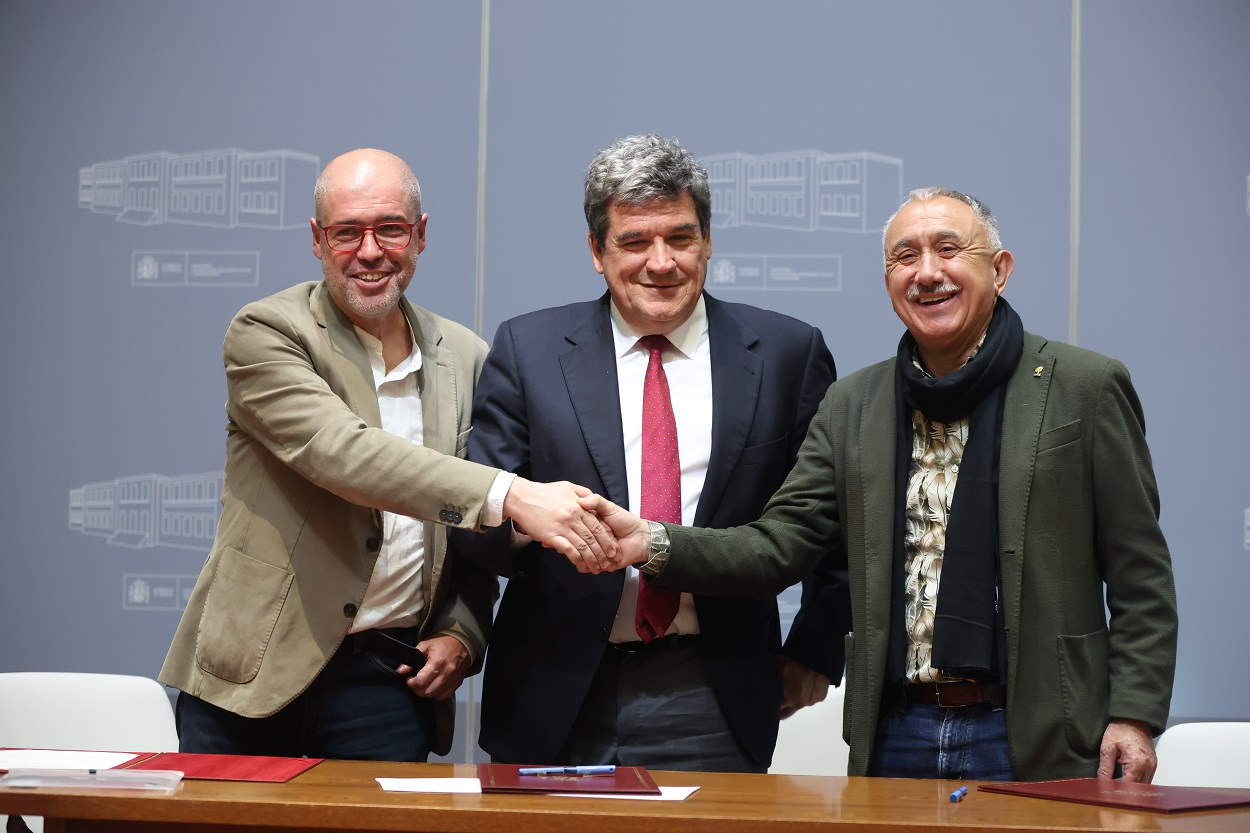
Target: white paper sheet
[430,785]
[61,759]
[666,794]
[473,785]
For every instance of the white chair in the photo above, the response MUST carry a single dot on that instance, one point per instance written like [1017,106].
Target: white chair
[104,712]
[1204,755]
[809,742]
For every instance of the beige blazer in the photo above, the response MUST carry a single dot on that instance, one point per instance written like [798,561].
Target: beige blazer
[308,468]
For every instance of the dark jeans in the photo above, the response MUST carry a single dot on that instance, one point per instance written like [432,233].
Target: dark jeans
[357,708]
[925,741]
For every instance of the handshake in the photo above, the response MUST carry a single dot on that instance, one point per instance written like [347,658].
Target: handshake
[592,532]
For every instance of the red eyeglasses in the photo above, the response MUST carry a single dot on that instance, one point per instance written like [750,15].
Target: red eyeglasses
[390,236]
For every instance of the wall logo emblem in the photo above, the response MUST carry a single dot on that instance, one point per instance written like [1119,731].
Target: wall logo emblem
[146,269]
[154,591]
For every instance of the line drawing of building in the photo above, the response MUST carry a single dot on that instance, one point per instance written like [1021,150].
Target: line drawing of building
[86,187]
[95,511]
[776,272]
[108,187]
[223,188]
[144,189]
[156,591]
[150,510]
[201,188]
[804,190]
[273,190]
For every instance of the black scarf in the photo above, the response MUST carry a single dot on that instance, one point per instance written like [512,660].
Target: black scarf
[968,620]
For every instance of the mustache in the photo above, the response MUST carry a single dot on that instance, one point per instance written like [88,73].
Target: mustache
[914,292]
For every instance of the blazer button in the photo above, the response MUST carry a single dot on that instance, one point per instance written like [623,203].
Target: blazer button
[450,516]
[373,543]
[349,610]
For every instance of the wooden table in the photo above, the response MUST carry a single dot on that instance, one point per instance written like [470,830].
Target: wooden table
[342,795]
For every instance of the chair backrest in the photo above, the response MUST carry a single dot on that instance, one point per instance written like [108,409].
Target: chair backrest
[809,742]
[107,712]
[1204,755]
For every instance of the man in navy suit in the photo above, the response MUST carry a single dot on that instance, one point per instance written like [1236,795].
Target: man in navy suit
[580,670]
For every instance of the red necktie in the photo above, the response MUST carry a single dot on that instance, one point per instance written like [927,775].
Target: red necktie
[661,485]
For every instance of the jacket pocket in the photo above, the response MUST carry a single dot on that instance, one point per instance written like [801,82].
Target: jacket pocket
[765,452]
[240,612]
[1061,436]
[1085,689]
[848,647]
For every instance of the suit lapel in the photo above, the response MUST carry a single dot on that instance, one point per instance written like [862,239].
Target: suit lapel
[589,367]
[1025,405]
[354,369]
[873,470]
[437,382]
[736,369]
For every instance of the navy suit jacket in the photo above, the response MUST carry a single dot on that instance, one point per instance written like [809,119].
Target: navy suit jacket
[547,407]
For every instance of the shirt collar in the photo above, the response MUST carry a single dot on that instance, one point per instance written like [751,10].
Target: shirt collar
[373,347]
[918,362]
[686,337]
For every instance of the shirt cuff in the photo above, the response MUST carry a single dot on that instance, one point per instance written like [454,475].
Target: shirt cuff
[492,511]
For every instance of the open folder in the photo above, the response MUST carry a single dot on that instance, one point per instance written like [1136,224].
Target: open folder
[193,765]
[626,779]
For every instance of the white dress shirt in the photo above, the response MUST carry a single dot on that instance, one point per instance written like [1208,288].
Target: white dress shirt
[394,598]
[688,367]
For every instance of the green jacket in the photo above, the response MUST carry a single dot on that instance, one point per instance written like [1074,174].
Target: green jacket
[1078,512]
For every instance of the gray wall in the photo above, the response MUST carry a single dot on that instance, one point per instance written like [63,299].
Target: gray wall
[160,156]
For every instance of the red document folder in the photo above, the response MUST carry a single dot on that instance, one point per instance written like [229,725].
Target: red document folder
[626,779]
[1126,794]
[228,767]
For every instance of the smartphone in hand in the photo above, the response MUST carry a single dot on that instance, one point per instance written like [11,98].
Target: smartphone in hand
[394,652]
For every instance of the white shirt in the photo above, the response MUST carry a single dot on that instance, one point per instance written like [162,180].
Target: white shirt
[688,367]
[394,598]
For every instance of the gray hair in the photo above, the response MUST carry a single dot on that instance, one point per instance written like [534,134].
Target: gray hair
[639,169]
[989,223]
[412,192]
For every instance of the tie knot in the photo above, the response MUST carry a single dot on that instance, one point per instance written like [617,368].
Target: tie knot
[654,343]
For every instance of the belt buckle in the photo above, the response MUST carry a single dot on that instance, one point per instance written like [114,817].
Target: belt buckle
[938,694]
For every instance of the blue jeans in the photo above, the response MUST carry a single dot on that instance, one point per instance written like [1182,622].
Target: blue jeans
[926,741]
[356,708]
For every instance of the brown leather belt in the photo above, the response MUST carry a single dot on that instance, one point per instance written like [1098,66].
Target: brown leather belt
[957,694]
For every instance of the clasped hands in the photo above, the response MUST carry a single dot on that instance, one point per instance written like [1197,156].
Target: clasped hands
[592,532]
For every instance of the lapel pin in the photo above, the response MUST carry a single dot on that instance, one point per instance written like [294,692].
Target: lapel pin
[1037,371]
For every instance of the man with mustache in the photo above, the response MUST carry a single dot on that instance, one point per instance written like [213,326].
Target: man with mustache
[348,412]
[990,488]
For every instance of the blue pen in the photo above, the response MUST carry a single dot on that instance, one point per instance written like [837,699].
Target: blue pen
[601,769]
[958,795]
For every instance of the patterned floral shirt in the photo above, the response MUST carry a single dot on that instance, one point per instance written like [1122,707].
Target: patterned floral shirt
[936,451]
